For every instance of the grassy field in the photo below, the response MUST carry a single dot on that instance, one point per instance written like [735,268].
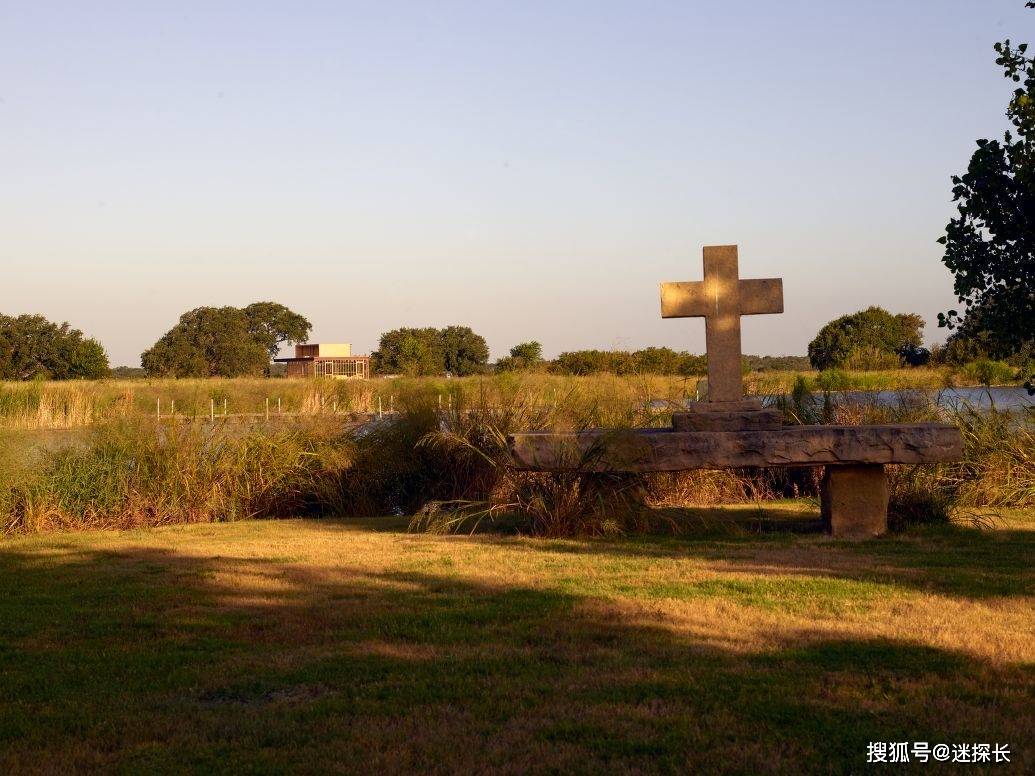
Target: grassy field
[72,404]
[344,646]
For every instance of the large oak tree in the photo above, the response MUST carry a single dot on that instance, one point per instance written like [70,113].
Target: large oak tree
[224,341]
[33,347]
[430,351]
[990,244]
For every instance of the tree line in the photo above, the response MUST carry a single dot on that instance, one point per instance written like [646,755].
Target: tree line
[32,347]
[238,342]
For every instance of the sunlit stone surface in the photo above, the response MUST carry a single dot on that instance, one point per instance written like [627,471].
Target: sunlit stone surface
[729,431]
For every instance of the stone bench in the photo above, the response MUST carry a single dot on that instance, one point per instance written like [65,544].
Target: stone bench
[854,489]
[730,431]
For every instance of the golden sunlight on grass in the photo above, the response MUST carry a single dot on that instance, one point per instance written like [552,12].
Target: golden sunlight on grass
[337,645]
[79,403]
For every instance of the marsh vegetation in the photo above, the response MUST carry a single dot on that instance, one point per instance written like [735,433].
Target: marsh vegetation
[72,404]
[437,452]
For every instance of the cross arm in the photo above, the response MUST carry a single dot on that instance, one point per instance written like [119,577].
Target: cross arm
[761,296]
[685,300]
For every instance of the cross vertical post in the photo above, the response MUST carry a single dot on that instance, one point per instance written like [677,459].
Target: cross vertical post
[721,298]
[722,325]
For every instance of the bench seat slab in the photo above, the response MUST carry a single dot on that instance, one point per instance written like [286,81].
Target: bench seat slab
[659,450]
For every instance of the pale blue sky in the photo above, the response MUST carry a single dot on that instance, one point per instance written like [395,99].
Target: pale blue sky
[530,169]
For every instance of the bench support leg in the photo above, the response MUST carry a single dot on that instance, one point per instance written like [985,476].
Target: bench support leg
[854,501]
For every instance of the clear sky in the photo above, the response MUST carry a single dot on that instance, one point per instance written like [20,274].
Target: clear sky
[530,169]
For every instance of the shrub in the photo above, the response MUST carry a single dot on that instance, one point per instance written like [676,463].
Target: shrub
[872,359]
[988,372]
[868,339]
[833,380]
[914,355]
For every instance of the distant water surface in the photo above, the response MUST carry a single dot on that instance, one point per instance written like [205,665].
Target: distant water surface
[1008,398]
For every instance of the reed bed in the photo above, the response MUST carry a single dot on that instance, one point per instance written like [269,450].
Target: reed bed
[131,473]
[77,404]
[63,405]
[442,457]
[998,466]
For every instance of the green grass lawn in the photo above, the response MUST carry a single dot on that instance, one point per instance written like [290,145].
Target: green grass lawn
[351,645]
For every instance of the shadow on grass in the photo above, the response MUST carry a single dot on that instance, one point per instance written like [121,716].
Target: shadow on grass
[151,660]
[948,559]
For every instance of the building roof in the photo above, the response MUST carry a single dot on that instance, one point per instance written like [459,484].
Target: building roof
[324,358]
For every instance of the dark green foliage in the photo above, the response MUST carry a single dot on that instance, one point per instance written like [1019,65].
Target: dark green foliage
[867,335]
[963,347]
[429,351]
[274,325]
[530,352]
[224,341]
[659,361]
[776,363]
[587,362]
[128,372]
[665,361]
[914,355]
[465,352]
[413,352]
[647,361]
[33,347]
[207,342]
[527,355]
[990,245]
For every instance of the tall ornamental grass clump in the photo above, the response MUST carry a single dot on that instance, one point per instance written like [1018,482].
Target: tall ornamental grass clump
[141,473]
[998,466]
[448,446]
[39,405]
[477,480]
[997,471]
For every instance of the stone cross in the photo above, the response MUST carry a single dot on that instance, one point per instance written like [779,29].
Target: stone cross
[729,431]
[721,298]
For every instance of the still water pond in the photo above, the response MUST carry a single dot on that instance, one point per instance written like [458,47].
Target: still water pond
[1004,398]
[1010,398]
